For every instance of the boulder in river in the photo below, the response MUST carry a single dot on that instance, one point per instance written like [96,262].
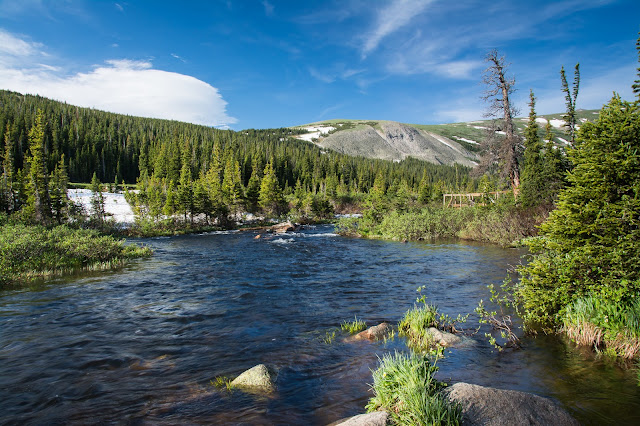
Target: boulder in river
[377,418]
[257,377]
[281,228]
[377,332]
[444,338]
[488,406]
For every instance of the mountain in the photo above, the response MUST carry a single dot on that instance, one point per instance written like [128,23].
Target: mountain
[456,143]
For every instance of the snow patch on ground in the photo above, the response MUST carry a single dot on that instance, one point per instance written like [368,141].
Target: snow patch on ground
[480,127]
[558,124]
[442,140]
[114,204]
[466,140]
[564,141]
[315,132]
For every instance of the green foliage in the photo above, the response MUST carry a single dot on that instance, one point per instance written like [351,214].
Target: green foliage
[29,252]
[603,324]
[589,244]
[271,199]
[533,178]
[636,83]
[353,327]
[405,387]
[416,323]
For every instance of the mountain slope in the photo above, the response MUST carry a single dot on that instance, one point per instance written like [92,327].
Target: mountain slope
[455,143]
[390,140]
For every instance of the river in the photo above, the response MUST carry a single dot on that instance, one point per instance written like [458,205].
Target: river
[141,345]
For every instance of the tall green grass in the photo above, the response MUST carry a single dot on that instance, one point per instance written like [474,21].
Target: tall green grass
[30,252]
[353,327]
[614,327]
[405,387]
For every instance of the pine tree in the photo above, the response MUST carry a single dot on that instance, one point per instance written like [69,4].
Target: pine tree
[271,199]
[232,191]
[570,97]
[8,196]
[533,178]
[98,212]
[170,203]
[555,167]
[58,191]
[253,188]
[38,206]
[590,242]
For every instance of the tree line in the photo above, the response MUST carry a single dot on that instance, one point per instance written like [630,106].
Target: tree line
[184,169]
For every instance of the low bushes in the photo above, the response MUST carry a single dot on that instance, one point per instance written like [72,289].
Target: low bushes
[28,252]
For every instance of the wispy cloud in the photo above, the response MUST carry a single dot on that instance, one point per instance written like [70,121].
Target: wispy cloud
[337,72]
[397,14]
[119,7]
[268,8]
[120,85]
[179,58]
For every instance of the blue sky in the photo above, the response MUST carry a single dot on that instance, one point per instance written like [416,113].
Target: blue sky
[267,63]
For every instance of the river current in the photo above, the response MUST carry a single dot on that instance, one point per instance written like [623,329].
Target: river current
[142,344]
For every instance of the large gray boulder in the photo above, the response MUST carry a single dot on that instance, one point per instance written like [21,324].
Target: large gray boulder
[488,406]
[444,338]
[377,418]
[257,377]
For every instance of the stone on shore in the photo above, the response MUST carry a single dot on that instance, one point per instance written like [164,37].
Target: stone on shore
[257,377]
[377,332]
[493,407]
[377,418]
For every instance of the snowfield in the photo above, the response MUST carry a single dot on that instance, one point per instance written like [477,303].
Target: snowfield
[114,204]
[316,132]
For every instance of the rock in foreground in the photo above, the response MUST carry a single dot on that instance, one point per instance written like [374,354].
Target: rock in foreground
[377,418]
[281,228]
[257,377]
[488,406]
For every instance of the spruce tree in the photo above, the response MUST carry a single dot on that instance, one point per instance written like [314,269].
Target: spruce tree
[97,202]
[8,197]
[590,244]
[271,199]
[38,206]
[533,178]
[58,191]
[570,98]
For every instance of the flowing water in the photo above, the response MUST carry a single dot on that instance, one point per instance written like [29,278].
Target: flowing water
[142,344]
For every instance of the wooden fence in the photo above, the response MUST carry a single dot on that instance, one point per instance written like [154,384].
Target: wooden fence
[472,198]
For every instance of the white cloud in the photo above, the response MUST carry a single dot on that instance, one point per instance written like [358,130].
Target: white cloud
[119,7]
[121,86]
[396,15]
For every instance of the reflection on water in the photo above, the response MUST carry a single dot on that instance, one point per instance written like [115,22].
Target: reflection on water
[142,344]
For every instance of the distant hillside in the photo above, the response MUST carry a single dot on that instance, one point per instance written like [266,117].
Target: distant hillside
[439,143]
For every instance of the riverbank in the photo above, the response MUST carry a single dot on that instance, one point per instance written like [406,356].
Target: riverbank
[505,226]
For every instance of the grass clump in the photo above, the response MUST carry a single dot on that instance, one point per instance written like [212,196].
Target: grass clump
[222,382]
[418,320]
[30,252]
[405,386]
[353,327]
[601,324]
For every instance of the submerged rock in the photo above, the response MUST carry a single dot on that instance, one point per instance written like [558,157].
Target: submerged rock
[257,377]
[488,406]
[377,332]
[377,418]
[444,338]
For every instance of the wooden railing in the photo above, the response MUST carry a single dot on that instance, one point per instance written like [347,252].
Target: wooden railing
[472,198]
